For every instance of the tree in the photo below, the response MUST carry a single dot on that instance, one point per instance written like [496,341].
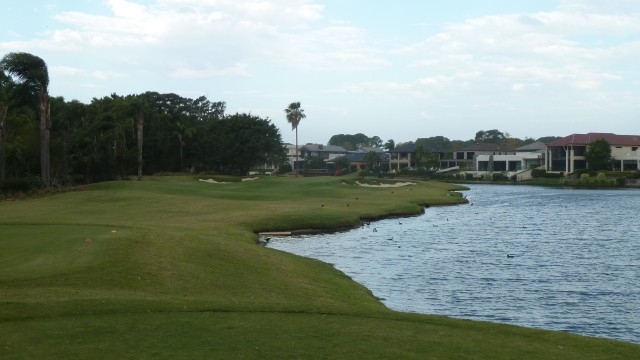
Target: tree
[242,141]
[342,162]
[390,145]
[421,152]
[435,143]
[598,155]
[352,142]
[375,141]
[372,159]
[547,139]
[6,87]
[294,114]
[32,71]
[490,136]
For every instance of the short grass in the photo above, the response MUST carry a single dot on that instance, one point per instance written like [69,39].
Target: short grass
[169,268]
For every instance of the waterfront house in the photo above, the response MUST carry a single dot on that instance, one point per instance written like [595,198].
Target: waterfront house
[567,154]
[322,151]
[520,159]
[403,156]
[469,156]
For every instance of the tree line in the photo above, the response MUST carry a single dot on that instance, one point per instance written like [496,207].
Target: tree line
[436,143]
[52,141]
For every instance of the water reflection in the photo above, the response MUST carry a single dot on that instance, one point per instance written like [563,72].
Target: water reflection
[559,259]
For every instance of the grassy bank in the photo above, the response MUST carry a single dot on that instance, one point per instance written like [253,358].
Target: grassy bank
[169,268]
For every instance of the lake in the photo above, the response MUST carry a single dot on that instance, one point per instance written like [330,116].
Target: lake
[550,258]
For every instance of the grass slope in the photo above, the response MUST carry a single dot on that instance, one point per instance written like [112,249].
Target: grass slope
[169,268]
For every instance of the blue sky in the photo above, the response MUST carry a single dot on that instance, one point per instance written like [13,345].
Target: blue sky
[399,71]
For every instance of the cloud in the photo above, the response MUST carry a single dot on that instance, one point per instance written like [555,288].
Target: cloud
[224,32]
[549,49]
[211,71]
[65,71]
[598,6]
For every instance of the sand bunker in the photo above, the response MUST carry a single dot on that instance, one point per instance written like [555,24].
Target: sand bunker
[398,184]
[211,181]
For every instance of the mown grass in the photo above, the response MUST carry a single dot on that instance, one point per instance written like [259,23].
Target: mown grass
[169,268]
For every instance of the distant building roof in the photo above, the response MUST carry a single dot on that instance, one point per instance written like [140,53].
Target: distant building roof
[325,148]
[533,147]
[586,139]
[366,149]
[358,156]
[485,147]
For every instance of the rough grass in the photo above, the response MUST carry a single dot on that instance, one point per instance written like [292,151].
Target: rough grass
[169,268]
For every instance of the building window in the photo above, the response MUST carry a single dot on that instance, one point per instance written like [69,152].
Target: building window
[579,150]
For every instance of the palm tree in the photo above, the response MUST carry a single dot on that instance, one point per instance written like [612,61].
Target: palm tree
[294,115]
[5,88]
[32,71]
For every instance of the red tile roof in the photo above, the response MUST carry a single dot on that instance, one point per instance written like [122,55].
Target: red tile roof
[586,139]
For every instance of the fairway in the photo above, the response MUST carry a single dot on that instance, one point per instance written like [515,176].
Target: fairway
[169,268]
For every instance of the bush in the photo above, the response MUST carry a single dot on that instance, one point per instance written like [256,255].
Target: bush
[499,177]
[13,185]
[536,173]
[621,182]
[584,178]
[286,168]
[601,178]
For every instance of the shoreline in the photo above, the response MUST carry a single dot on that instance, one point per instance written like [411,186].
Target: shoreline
[333,230]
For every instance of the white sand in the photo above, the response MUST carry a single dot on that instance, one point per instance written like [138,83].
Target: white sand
[398,184]
[211,181]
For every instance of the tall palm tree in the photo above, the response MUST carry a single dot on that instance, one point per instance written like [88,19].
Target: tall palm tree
[5,88]
[32,71]
[294,114]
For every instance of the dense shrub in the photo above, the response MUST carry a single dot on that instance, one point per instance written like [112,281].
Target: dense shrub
[584,178]
[26,184]
[542,173]
[286,168]
[499,177]
[536,173]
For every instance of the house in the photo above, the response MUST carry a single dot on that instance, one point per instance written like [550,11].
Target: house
[403,156]
[290,149]
[532,154]
[488,151]
[413,154]
[522,158]
[322,151]
[358,158]
[567,154]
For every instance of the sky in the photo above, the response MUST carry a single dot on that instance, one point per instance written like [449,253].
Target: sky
[399,70]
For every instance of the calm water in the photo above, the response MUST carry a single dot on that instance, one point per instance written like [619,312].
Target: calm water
[558,259]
